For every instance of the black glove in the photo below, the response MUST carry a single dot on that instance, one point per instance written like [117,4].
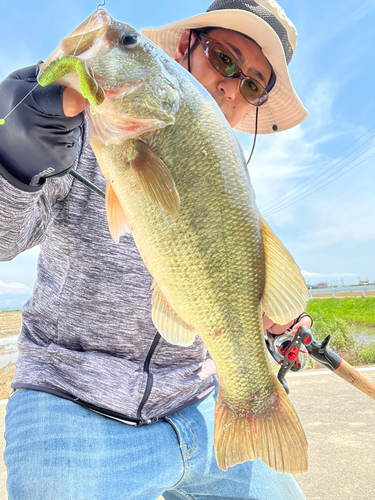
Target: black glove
[37,139]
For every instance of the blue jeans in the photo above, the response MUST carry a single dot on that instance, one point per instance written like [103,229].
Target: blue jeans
[58,450]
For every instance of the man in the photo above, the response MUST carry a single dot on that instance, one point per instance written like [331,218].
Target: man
[103,407]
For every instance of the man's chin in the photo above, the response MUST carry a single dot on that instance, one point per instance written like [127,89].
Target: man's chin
[222,105]
[228,115]
[225,109]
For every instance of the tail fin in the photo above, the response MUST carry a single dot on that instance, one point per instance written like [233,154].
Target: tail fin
[273,434]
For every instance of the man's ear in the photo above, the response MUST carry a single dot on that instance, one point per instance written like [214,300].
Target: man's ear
[181,49]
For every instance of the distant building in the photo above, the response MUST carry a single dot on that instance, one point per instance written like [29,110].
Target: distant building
[321,285]
[364,282]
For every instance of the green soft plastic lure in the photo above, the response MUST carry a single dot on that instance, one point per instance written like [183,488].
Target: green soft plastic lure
[68,64]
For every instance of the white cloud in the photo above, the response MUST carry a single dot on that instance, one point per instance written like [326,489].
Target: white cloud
[309,275]
[14,289]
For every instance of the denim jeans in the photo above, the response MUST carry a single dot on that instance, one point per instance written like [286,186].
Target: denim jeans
[58,450]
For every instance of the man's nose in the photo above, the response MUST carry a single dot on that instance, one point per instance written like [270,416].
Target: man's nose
[229,87]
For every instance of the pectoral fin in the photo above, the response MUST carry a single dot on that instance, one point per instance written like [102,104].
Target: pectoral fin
[170,326]
[115,214]
[153,177]
[285,293]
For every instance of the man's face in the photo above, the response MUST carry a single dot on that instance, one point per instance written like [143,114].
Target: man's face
[225,91]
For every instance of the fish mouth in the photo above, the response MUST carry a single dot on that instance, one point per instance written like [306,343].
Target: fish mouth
[112,129]
[120,92]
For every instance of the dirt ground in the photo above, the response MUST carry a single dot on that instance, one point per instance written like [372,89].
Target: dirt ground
[339,425]
[10,324]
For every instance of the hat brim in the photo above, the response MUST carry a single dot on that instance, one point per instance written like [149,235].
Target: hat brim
[283,110]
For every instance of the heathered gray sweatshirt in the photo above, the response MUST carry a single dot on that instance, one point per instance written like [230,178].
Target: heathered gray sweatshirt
[87,332]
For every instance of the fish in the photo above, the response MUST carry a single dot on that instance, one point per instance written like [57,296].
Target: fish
[176,176]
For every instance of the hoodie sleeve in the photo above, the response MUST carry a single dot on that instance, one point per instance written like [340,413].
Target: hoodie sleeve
[24,216]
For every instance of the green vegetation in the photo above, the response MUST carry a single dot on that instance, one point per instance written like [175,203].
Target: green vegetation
[341,334]
[11,311]
[360,311]
[338,318]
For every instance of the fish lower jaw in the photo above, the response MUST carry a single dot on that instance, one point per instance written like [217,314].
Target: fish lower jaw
[121,92]
[116,130]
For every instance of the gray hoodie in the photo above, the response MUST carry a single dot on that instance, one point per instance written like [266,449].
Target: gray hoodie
[87,333]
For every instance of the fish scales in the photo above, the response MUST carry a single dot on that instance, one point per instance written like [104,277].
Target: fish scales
[184,259]
[220,247]
[176,174]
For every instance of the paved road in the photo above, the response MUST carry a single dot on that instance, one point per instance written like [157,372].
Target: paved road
[339,422]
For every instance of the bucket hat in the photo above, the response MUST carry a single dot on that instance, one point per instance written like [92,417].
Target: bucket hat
[266,23]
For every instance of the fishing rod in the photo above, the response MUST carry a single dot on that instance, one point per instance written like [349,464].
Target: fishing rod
[87,183]
[293,353]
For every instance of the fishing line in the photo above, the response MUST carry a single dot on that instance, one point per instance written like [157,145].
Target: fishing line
[2,120]
[88,22]
[72,172]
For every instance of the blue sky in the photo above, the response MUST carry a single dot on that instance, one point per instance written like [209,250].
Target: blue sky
[330,232]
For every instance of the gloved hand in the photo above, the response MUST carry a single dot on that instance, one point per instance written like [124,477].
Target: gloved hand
[37,139]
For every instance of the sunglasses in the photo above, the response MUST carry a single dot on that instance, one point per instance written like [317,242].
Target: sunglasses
[227,65]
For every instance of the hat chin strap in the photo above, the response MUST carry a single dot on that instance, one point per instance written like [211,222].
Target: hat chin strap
[255,134]
[190,32]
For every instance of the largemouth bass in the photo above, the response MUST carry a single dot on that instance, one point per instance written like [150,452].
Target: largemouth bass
[176,175]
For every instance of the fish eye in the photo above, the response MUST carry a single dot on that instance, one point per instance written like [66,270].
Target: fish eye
[130,40]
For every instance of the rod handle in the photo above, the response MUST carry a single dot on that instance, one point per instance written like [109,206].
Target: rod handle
[351,375]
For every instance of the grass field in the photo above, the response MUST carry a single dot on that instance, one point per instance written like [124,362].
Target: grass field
[360,311]
[342,319]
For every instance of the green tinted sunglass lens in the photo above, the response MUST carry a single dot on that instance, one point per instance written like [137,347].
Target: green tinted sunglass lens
[223,61]
[253,92]
[253,87]
[226,64]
